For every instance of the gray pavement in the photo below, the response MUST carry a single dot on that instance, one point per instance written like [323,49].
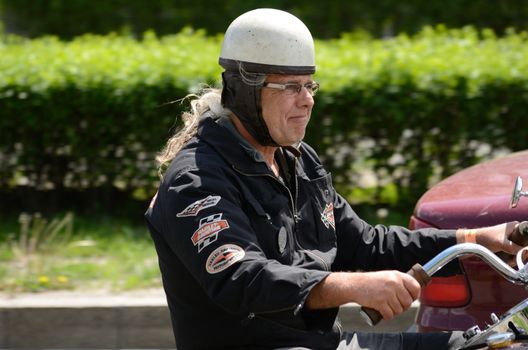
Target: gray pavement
[102,320]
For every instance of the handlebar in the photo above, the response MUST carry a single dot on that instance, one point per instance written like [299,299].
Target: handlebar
[372,316]
[439,261]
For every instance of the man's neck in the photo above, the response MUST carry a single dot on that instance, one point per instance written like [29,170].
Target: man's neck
[267,152]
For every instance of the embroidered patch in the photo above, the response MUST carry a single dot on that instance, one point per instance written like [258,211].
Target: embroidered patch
[327,216]
[194,208]
[208,230]
[223,257]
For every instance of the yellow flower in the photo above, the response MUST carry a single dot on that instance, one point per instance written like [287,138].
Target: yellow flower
[43,279]
[62,279]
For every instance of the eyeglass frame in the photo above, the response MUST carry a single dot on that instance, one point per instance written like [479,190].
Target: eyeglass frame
[312,87]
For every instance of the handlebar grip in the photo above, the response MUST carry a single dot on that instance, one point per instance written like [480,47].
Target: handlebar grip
[420,275]
[520,234]
[372,316]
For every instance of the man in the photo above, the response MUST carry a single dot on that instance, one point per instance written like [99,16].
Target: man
[256,248]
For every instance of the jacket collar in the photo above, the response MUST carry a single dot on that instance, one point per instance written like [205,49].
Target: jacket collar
[225,139]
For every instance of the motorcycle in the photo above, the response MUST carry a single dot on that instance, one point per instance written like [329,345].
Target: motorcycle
[509,331]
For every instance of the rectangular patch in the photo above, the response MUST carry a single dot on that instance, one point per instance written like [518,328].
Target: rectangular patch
[208,230]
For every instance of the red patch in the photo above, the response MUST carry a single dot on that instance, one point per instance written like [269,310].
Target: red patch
[327,216]
[208,230]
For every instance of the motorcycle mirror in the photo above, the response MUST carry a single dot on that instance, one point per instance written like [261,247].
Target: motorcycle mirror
[517,193]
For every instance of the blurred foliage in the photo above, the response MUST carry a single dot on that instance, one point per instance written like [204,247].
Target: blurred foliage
[393,115]
[403,113]
[55,254]
[326,19]
[37,235]
[91,112]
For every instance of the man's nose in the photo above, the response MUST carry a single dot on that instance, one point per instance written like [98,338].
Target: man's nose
[305,97]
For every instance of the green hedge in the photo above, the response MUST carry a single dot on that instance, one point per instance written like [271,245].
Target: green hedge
[91,113]
[326,19]
[418,109]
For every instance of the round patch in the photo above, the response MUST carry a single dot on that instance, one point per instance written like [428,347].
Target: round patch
[223,257]
[282,239]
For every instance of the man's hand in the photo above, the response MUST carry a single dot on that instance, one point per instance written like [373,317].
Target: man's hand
[495,238]
[389,292]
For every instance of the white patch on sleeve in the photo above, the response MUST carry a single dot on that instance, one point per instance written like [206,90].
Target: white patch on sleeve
[223,257]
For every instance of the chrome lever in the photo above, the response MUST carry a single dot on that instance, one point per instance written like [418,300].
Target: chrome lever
[517,192]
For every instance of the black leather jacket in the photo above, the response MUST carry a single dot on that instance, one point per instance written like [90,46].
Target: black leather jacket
[239,249]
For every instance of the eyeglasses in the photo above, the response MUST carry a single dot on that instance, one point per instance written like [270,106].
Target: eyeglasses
[294,88]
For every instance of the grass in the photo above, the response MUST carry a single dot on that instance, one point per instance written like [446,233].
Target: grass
[70,253]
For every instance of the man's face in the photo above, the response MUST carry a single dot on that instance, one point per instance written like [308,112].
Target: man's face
[287,113]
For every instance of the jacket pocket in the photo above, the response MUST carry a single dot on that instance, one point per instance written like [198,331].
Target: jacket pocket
[273,232]
[316,198]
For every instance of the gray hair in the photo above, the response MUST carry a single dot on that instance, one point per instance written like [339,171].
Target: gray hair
[207,100]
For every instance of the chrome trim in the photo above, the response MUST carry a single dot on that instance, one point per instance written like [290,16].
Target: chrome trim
[453,252]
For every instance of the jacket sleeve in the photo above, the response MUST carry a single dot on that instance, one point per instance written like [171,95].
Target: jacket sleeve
[204,223]
[362,246]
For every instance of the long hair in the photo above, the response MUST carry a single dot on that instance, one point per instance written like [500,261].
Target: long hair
[207,100]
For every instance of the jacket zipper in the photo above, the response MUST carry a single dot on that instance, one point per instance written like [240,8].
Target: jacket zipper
[252,315]
[294,209]
[296,218]
[296,308]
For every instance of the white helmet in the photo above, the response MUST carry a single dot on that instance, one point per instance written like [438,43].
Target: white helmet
[268,41]
[257,43]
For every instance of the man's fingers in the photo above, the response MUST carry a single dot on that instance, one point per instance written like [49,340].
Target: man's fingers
[511,227]
[394,294]
[511,247]
[412,286]
[386,312]
[405,294]
[396,306]
[405,301]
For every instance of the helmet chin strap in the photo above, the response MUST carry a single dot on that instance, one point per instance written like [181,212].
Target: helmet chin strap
[243,100]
